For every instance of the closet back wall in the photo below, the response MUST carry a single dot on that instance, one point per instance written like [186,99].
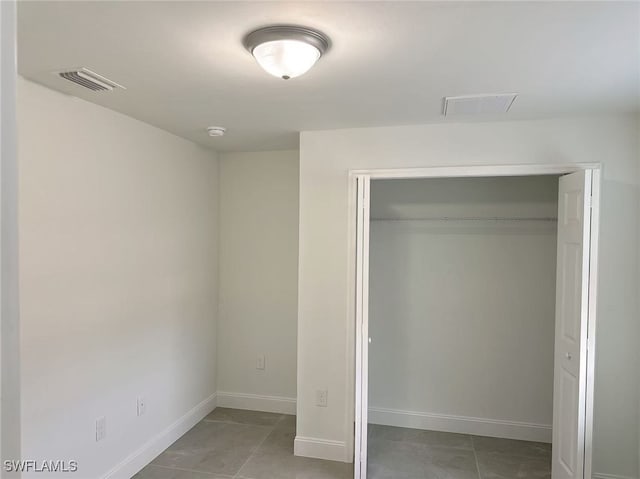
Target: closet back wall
[462,312]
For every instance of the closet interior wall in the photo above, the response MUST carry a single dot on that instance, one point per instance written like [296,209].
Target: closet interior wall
[462,304]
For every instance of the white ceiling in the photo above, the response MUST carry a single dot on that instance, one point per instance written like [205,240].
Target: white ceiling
[390,62]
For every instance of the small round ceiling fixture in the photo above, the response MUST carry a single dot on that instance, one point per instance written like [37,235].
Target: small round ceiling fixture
[286,51]
[216,131]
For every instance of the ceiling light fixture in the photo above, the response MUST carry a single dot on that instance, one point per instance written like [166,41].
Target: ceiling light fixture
[286,51]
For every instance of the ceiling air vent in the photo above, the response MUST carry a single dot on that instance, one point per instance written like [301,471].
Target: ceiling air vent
[91,80]
[478,104]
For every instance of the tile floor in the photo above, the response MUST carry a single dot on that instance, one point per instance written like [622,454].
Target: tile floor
[231,443]
[400,453]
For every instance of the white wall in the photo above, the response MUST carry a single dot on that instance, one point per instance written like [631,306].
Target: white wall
[10,344]
[638,296]
[118,235]
[462,313]
[325,328]
[258,280]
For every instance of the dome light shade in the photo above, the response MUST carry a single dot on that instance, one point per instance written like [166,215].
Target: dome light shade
[286,51]
[286,58]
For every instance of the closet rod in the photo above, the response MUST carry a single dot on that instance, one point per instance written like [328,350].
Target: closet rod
[468,218]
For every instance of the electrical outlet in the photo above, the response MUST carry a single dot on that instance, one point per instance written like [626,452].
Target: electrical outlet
[322,397]
[142,406]
[101,428]
[260,362]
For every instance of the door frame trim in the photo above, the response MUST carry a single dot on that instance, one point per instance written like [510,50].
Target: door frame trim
[358,310]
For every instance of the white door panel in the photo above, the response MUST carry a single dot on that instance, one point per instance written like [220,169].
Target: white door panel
[362,326]
[572,311]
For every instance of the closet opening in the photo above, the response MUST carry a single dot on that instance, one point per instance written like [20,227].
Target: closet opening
[474,317]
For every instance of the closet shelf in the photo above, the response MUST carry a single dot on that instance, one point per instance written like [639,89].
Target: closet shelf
[469,218]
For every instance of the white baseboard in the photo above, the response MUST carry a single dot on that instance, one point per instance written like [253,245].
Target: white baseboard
[158,443]
[321,449]
[597,475]
[461,424]
[255,402]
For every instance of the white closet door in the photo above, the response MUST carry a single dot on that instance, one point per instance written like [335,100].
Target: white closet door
[572,309]
[362,327]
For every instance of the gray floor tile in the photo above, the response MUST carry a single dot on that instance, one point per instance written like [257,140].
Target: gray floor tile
[287,422]
[503,466]
[239,444]
[420,436]
[511,447]
[240,416]
[214,447]
[158,472]
[274,459]
[409,460]
[279,440]
[278,464]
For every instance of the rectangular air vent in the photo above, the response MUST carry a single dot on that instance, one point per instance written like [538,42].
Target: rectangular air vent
[91,80]
[478,104]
